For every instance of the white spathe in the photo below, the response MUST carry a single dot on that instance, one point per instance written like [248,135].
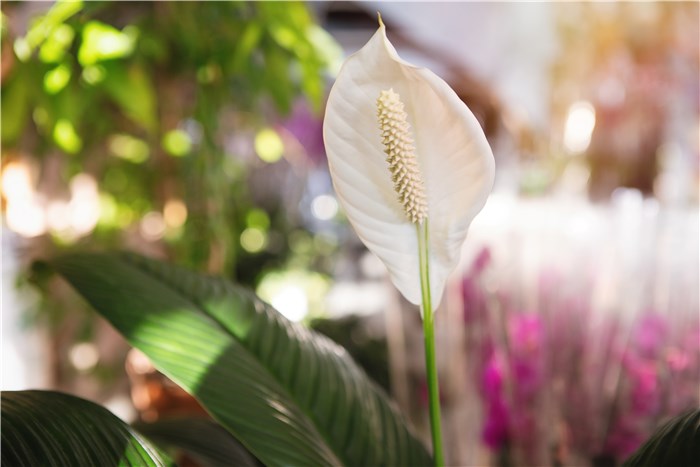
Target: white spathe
[454,157]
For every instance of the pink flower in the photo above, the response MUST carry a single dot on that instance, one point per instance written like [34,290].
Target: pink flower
[650,335]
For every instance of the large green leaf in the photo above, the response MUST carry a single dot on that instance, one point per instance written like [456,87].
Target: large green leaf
[290,396]
[54,429]
[202,439]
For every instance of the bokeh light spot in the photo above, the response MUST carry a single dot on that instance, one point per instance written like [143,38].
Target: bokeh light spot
[269,146]
[93,74]
[257,218]
[579,127]
[103,42]
[253,239]
[292,302]
[174,213]
[57,79]
[66,137]
[84,356]
[152,226]
[129,148]
[177,143]
[324,207]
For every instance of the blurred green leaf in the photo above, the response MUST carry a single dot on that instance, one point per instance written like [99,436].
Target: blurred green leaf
[244,47]
[289,395]
[327,49]
[132,89]
[312,84]
[15,107]
[44,26]
[54,429]
[277,78]
[54,49]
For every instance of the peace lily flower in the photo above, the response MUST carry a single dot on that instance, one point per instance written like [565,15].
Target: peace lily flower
[407,158]
[412,167]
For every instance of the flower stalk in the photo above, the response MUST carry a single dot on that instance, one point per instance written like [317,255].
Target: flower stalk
[429,343]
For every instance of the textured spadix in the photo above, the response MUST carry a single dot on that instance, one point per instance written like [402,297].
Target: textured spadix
[454,160]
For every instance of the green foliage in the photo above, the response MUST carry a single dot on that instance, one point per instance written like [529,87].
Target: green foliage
[53,429]
[289,395]
[136,94]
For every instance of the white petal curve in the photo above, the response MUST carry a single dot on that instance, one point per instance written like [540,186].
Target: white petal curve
[454,158]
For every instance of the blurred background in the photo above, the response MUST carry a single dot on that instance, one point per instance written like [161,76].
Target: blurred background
[192,132]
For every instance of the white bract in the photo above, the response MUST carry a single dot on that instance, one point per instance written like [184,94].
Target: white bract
[403,149]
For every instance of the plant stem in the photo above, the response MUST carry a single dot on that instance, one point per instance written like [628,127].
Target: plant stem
[429,340]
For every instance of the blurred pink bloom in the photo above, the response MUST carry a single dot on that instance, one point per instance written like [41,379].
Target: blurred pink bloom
[649,335]
[496,425]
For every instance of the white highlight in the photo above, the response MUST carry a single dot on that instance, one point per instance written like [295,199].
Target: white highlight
[84,205]
[292,302]
[324,207]
[580,122]
[84,356]
[25,212]
[152,226]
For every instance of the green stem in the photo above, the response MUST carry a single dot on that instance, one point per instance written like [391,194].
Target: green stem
[429,337]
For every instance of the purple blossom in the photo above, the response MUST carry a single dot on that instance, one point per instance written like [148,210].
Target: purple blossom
[645,396]
[526,340]
[563,358]
[623,440]
[495,430]
[307,128]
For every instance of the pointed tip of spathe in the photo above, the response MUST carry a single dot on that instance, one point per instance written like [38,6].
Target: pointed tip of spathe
[379,18]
